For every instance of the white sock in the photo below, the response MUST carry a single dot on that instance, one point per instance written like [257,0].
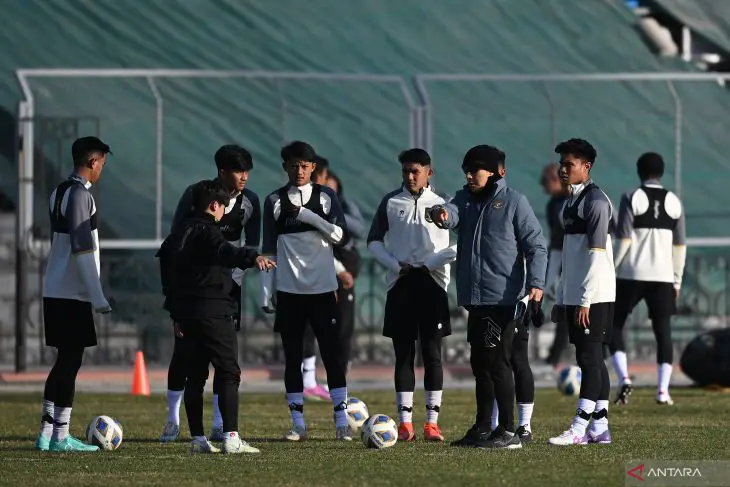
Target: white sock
[230,434]
[309,372]
[433,406]
[598,426]
[579,424]
[665,374]
[61,421]
[404,400]
[495,415]
[622,368]
[217,418]
[47,419]
[174,399]
[339,403]
[524,414]
[296,408]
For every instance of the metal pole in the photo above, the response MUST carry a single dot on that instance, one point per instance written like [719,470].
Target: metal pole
[426,127]
[677,139]
[23,217]
[158,158]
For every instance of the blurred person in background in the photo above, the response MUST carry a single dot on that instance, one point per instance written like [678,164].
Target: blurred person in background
[558,191]
[347,266]
[240,225]
[650,258]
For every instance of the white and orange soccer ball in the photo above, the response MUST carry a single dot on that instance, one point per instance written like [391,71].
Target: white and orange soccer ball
[379,431]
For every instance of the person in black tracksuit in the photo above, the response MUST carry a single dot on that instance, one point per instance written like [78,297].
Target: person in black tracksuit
[195,265]
[240,225]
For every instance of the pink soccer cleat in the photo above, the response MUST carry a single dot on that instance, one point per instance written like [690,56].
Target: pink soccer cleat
[316,393]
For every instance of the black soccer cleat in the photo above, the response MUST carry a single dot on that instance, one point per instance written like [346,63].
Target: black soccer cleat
[500,439]
[472,438]
[524,434]
[622,398]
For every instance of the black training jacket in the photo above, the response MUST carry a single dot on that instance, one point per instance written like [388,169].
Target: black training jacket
[195,267]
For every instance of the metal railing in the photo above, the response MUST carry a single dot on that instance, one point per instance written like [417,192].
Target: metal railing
[140,323]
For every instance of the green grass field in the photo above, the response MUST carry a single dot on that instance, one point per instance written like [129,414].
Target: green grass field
[694,428]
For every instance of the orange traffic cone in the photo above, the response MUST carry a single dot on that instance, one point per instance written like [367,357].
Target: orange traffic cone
[140,382]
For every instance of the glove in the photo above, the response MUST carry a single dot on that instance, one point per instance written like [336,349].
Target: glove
[537,317]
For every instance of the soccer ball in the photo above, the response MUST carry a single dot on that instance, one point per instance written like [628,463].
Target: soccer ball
[569,380]
[357,414]
[104,432]
[379,431]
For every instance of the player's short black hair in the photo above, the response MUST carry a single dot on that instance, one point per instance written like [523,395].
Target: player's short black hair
[580,148]
[334,176]
[419,156]
[650,166]
[206,192]
[321,165]
[484,157]
[298,151]
[85,147]
[233,157]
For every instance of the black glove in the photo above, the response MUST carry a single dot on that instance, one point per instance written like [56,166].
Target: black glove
[537,317]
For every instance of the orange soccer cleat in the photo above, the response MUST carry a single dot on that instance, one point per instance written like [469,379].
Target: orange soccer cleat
[406,432]
[432,432]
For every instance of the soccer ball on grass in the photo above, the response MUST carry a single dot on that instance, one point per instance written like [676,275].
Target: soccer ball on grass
[104,432]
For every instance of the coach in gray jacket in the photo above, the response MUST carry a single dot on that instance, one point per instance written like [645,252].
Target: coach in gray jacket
[498,235]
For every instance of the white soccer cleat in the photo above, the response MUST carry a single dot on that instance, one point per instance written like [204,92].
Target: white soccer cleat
[664,399]
[343,433]
[567,438]
[170,432]
[204,446]
[297,433]
[216,433]
[234,444]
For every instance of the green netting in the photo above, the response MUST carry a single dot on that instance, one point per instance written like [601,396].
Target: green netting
[360,126]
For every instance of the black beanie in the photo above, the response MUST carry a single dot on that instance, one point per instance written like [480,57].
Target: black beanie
[483,157]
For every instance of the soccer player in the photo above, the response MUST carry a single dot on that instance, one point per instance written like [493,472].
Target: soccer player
[240,225]
[195,263]
[312,390]
[302,221]
[649,260]
[417,256]
[558,191]
[586,290]
[72,291]
[347,266]
[501,252]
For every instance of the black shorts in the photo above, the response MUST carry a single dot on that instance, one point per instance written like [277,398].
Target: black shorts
[601,324]
[296,311]
[660,298]
[488,325]
[68,323]
[417,305]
